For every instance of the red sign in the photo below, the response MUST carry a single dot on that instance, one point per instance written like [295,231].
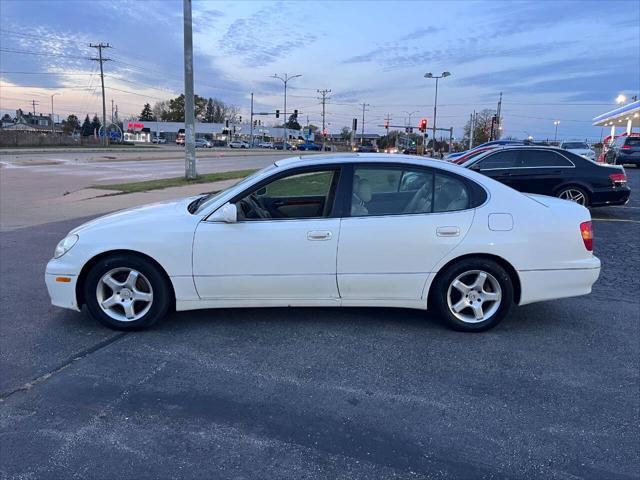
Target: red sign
[135,126]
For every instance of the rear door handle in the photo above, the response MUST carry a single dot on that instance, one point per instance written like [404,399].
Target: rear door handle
[447,231]
[315,235]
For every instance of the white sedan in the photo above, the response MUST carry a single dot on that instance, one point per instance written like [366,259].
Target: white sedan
[337,230]
[579,148]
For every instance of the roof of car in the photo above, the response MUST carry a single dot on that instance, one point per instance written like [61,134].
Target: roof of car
[348,157]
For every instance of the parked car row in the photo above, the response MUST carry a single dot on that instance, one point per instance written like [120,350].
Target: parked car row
[555,172]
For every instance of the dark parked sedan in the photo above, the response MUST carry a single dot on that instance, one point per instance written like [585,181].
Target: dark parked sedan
[554,172]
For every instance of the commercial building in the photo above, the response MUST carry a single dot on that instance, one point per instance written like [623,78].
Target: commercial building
[144,131]
[626,117]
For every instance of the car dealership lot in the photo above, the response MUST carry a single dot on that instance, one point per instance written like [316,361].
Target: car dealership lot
[323,393]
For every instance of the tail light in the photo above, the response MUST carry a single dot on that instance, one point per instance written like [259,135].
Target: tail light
[586,230]
[626,147]
[618,178]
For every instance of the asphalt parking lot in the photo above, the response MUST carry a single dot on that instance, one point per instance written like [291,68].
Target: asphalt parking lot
[552,392]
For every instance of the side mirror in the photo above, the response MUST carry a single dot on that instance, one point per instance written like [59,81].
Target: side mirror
[228,213]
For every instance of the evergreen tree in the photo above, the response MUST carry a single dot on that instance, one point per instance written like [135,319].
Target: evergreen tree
[86,130]
[292,123]
[95,125]
[146,115]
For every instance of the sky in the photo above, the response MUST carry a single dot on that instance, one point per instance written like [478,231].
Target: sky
[551,59]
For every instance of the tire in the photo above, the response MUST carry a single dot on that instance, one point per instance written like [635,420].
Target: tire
[574,194]
[131,302]
[494,295]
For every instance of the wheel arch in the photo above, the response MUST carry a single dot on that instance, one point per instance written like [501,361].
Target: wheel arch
[511,271]
[92,261]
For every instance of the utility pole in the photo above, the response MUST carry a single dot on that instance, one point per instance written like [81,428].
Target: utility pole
[324,100]
[364,106]
[498,113]
[471,129]
[251,126]
[52,120]
[112,110]
[190,171]
[285,80]
[101,59]
[34,103]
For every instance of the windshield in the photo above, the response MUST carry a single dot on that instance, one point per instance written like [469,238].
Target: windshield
[209,199]
[575,146]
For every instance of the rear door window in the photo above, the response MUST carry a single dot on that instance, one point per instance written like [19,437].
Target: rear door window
[543,158]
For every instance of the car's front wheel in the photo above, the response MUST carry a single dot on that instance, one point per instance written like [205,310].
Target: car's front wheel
[126,292]
[473,295]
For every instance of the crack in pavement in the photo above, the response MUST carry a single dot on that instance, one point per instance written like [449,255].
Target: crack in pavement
[67,363]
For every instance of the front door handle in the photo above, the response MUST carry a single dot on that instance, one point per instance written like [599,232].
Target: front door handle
[447,231]
[315,235]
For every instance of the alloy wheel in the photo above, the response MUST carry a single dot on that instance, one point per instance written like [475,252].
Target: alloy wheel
[573,195]
[124,294]
[474,296]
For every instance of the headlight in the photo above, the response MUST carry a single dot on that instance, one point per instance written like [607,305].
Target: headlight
[65,245]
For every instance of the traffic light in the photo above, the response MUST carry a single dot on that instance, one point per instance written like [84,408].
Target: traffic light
[226,123]
[255,123]
[354,126]
[239,118]
[277,113]
[386,125]
[423,125]
[324,132]
[295,113]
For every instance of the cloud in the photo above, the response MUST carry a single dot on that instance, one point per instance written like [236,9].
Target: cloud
[259,43]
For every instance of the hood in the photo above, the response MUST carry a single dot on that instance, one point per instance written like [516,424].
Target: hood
[158,211]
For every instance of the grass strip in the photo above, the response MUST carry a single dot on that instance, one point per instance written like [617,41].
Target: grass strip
[159,184]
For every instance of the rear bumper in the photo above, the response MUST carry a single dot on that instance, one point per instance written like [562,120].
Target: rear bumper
[540,285]
[617,196]
[63,294]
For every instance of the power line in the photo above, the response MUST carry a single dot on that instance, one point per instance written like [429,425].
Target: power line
[45,73]
[49,54]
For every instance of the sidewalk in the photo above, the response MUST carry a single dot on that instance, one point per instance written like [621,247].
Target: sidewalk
[92,201]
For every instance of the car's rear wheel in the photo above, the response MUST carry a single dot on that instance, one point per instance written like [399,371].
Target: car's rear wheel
[126,292]
[574,194]
[473,295]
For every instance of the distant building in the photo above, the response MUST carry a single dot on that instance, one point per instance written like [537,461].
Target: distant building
[28,122]
[143,131]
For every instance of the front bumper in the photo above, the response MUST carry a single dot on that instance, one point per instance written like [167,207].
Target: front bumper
[62,293]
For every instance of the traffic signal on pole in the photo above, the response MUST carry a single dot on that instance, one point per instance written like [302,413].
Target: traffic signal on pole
[240,118]
[277,113]
[423,125]
[295,113]
[354,126]
[226,123]
[324,132]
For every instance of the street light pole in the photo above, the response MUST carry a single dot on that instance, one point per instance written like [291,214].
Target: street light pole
[435,103]
[52,121]
[409,125]
[555,136]
[285,80]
